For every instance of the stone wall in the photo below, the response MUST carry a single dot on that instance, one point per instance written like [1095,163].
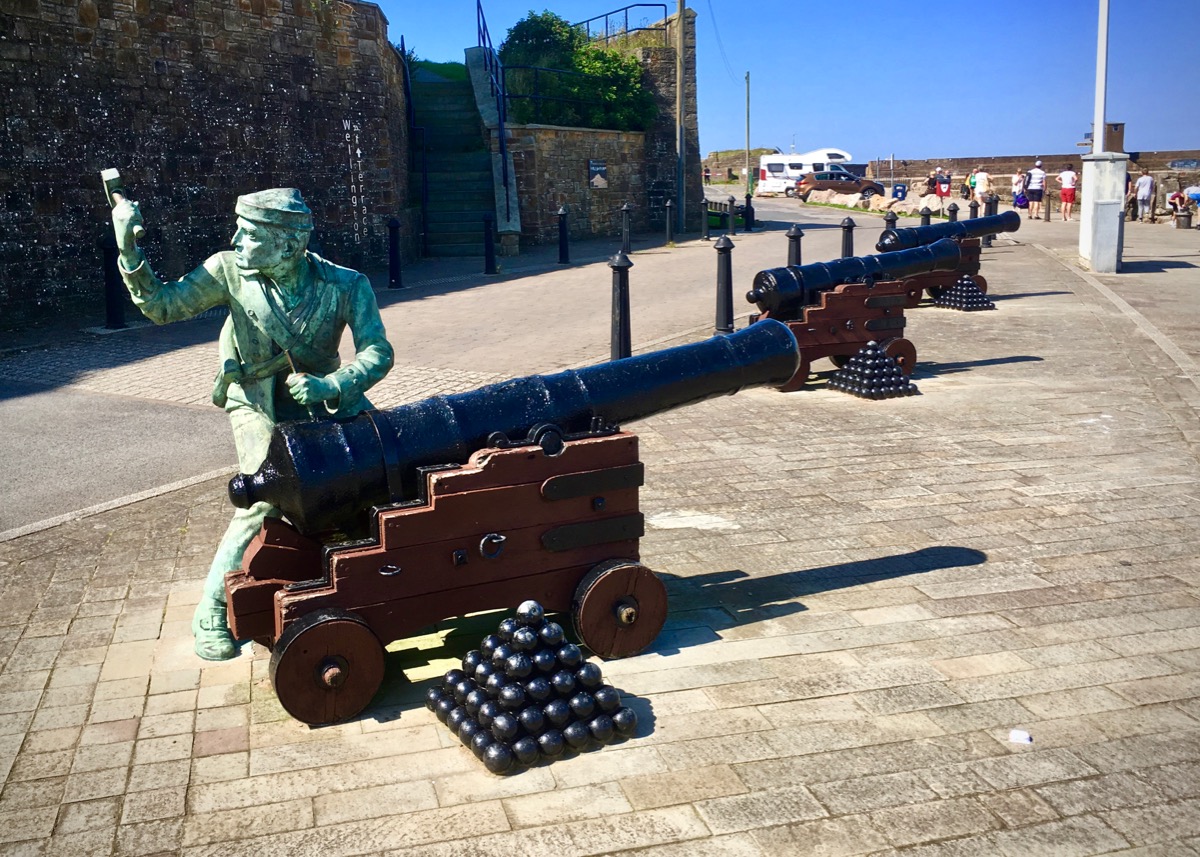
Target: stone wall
[196,102]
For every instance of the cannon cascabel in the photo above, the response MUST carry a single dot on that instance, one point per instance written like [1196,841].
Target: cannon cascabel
[326,475]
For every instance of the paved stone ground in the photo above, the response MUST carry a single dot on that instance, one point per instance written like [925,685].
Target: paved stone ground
[866,598]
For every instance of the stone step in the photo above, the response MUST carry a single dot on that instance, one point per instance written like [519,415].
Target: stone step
[456,249]
[456,232]
[460,214]
[442,162]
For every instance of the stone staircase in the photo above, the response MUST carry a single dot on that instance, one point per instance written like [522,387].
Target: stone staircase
[461,188]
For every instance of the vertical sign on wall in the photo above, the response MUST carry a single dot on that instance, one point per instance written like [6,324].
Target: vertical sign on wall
[358,199]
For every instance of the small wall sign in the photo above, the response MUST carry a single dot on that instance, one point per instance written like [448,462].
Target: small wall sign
[597,174]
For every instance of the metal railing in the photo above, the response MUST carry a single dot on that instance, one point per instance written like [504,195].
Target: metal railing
[419,132]
[621,28]
[530,88]
[495,72]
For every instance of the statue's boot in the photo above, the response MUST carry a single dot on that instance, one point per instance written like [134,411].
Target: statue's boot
[210,628]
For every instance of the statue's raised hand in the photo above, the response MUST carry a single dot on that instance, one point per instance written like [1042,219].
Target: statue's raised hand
[311,389]
[127,218]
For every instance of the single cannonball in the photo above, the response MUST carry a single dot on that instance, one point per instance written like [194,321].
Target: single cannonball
[467,729]
[525,750]
[483,672]
[570,656]
[512,697]
[444,706]
[432,696]
[582,705]
[475,700]
[487,712]
[532,719]
[507,628]
[455,717]
[608,699]
[551,743]
[576,734]
[502,653]
[471,660]
[462,689]
[488,645]
[518,666]
[498,758]
[545,661]
[452,678]
[558,712]
[552,634]
[563,682]
[602,728]
[588,675]
[538,689]
[505,727]
[496,682]
[530,613]
[525,640]
[481,741]
[624,721]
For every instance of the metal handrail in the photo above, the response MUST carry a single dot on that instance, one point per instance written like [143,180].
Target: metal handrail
[536,97]
[417,130]
[625,30]
[495,70]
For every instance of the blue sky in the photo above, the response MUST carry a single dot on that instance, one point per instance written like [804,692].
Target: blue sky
[922,78]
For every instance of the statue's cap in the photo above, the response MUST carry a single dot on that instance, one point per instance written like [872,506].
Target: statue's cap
[280,206]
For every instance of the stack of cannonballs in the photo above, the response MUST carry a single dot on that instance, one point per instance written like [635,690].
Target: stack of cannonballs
[526,693]
[872,374]
[964,296]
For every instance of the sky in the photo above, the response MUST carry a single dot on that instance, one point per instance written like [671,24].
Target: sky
[909,78]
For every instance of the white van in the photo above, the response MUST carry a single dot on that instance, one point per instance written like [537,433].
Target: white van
[777,173]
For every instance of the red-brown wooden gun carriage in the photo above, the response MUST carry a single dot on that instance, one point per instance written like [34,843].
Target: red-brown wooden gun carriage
[526,489]
[967,233]
[835,308]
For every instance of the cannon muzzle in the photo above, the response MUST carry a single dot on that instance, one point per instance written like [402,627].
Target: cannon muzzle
[326,476]
[917,236]
[784,291]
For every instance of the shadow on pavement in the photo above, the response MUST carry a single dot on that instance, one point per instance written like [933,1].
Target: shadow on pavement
[932,370]
[1152,266]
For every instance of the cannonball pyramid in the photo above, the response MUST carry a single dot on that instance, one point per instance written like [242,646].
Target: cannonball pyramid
[872,374]
[963,296]
[526,693]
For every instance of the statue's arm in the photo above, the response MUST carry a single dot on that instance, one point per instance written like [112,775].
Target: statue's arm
[164,302]
[373,356]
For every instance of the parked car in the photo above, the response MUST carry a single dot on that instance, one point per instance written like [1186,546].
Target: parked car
[839,181]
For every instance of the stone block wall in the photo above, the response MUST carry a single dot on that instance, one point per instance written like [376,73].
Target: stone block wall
[196,102]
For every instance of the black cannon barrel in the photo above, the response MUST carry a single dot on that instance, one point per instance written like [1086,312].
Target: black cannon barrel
[326,475]
[917,236]
[784,291]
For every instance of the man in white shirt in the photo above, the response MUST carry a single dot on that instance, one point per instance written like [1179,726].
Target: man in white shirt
[1067,180]
[1145,196]
[1035,186]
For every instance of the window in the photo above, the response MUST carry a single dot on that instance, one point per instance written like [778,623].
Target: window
[796,168]
[775,169]
[833,156]
[818,167]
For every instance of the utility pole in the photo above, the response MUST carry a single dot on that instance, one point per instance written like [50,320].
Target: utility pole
[1102,210]
[680,126]
[748,174]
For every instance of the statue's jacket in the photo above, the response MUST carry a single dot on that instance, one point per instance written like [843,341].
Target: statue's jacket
[262,332]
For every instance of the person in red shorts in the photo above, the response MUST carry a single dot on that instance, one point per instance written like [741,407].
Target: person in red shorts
[1067,181]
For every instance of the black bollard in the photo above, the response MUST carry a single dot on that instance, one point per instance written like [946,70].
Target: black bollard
[489,244]
[732,215]
[724,248]
[952,212]
[973,208]
[992,206]
[626,246]
[749,214]
[670,223]
[889,220]
[925,215]
[704,220]
[793,236]
[114,289]
[1046,199]
[847,238]
[395,273]
[619,342]
[564,251]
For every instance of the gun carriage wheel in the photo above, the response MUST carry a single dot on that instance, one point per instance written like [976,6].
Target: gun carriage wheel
[904,353]
[619,608]
[326,666]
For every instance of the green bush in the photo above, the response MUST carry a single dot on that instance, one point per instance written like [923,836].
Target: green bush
[608,89]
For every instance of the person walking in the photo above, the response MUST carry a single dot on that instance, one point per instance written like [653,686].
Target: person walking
[983,185]
[1017,186]
[1035,187]
[970,185]
[1145,195]
[707,174]
[1067,180]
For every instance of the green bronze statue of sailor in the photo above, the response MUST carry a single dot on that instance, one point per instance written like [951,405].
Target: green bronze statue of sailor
[278,349]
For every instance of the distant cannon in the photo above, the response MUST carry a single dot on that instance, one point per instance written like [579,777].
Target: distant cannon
[966,232]
[458,504]
[835,308]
